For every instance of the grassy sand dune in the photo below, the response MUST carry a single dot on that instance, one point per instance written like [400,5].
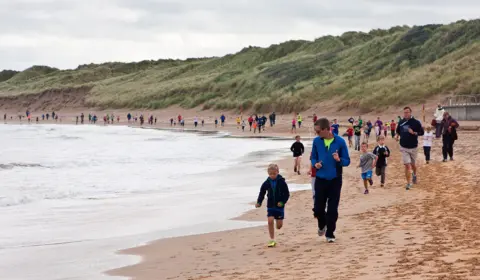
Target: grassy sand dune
[360,70]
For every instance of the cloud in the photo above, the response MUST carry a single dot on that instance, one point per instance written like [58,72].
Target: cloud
[66,33]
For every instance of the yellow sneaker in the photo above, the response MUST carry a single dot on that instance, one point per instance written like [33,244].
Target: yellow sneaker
[272,244]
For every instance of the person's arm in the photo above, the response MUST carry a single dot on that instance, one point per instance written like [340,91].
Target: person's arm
[287,193]
[261,195]
[314,156]
[302,148]
[388,151]
[291,148]
[375,158]
[420,131]
[375,151]
[343,154]
[455,123]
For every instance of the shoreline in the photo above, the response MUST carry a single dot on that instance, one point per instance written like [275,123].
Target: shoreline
[388,239]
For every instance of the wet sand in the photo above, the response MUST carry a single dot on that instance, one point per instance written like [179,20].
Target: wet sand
[429,232]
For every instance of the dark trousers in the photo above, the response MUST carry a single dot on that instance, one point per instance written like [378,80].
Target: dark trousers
[447,148]
[393,133]
[426,152]
[327,190]
[438,129]
[380,171]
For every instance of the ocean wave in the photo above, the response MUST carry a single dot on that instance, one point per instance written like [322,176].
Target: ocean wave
[21,164]
[66,137]
[156,139]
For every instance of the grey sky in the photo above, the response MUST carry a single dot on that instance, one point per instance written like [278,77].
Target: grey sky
[66,33]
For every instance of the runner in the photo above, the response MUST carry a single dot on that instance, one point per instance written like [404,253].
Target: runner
[427,143]
[357,128]
[297,149]
[299,120]
[329,156]
[294,126]
[393,127]
[438,120]
[408,131]
[449,135]
[335,127]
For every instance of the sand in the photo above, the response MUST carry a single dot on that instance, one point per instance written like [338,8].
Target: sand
[429,232]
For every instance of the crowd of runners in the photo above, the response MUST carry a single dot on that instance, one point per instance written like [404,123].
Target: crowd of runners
[330,154]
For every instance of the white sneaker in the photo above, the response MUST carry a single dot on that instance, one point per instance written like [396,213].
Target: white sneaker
[321,232]
[330,239]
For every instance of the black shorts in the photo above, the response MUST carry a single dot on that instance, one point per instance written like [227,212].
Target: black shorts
[276,213]
[295,155]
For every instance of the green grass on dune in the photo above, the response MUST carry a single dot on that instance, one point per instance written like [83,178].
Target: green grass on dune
[361,70]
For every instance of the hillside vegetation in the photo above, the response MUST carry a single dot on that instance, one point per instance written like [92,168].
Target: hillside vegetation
[361,70]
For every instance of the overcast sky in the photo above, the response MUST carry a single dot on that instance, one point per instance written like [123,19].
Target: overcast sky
[66,33]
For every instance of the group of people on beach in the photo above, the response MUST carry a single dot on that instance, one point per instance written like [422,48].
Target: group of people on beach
[330,154]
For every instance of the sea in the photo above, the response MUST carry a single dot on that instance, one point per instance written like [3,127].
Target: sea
[71,196]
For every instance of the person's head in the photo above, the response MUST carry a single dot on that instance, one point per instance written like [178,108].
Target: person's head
[393,121]
[335,121]
[297,138]
[364,147]
[272,171]
[407,112]
[356,122]
[378,118]
[446,115]
[429,128]
[322,127]
[381,140]
[439,105]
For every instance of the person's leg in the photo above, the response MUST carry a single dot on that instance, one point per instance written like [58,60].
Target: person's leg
[334,191]
[299,161]
[294,164]
[279,223]
[450,152]
[271,227]
[321,186]
[382,175]
[438,127]
[445,142]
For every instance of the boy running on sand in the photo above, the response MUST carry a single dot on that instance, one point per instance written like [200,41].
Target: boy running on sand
[297,149]
[238,122]
[382,152]
[243,125]
[294,126]
[427,143]
[277,196]
[367,163]
[357,129]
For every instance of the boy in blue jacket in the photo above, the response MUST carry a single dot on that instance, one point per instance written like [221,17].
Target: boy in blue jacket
[277,196]
[329,156]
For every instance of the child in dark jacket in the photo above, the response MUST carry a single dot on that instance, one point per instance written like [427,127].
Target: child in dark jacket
[277,196]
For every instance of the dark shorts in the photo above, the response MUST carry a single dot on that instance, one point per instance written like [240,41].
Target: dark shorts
[276,213]
[295,155]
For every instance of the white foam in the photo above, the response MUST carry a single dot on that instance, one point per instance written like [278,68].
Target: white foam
[76,194]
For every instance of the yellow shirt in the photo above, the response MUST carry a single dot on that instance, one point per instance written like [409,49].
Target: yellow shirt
[328,142]
[299,118]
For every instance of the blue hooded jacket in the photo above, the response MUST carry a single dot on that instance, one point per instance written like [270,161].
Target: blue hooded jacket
[276,190]
[330,169]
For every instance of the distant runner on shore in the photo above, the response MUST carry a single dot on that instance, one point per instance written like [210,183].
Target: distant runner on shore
[297,149]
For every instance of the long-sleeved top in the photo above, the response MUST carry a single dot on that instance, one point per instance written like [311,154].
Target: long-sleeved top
[449,126]
[276,190]
[408,140]
[439,114]
[330,169]
[297,149]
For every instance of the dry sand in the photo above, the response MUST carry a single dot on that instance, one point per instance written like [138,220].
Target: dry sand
[429,232]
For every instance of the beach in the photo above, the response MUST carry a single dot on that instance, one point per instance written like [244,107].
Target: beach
[429,232]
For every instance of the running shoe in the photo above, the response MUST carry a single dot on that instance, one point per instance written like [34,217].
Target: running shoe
[451,159]
[414,179]
[382,185]
[444,160]
[370,181]
[331,239]
[272,244]
[298,172]
[408,186]
[365,192]
[321,232]
[295,169]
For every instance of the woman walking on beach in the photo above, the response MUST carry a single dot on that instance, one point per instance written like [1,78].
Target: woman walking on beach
[449,135]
